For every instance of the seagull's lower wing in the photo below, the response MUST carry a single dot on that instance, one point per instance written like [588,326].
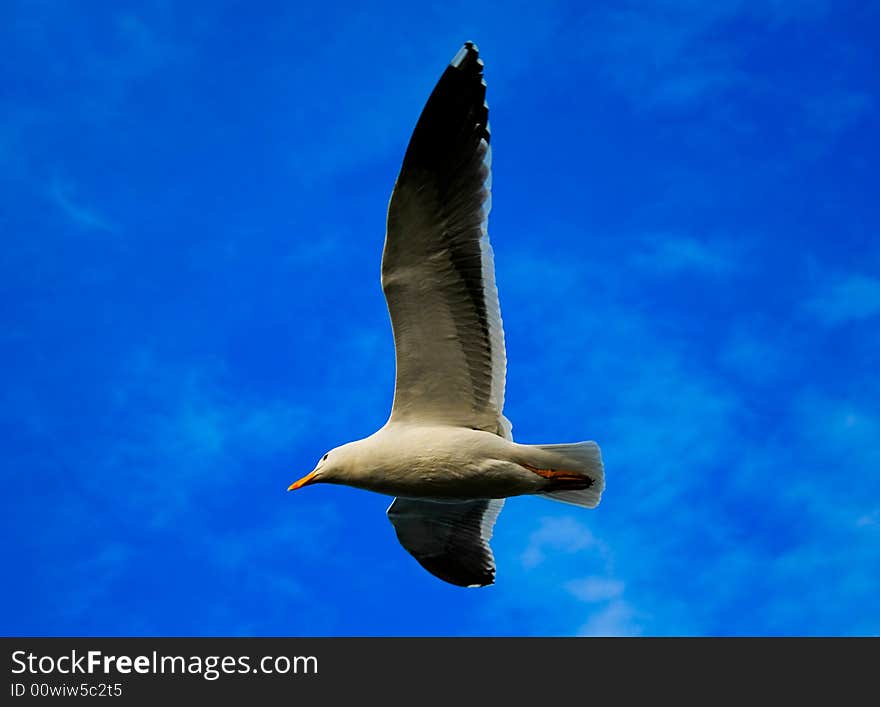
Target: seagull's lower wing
[449,539]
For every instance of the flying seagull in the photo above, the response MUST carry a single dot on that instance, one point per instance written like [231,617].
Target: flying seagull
[446,452]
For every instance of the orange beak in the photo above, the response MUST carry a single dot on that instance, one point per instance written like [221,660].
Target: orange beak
[307,479]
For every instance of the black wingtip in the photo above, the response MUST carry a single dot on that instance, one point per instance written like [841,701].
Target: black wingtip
[453,122]
[450,570]
[467,57]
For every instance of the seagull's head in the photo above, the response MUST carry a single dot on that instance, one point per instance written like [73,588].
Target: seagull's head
[330,468]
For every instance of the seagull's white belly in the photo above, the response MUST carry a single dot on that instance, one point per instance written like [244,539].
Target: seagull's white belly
[442,462]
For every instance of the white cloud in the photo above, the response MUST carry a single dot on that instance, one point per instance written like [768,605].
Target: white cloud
[675,254]
[559,534]
[849,298]
[617,618]
[612,614]
[594,589]
[869,520]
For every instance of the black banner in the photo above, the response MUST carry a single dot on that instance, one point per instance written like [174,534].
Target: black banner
[418,670]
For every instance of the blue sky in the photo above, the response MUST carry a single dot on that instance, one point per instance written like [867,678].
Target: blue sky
[685,222]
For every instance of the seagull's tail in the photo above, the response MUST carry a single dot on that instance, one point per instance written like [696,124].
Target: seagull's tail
[576,476]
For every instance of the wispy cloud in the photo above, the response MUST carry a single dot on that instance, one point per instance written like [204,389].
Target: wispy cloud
[558,534]
[673,254]
[617,618]
[846,299]
[612,614]
[86,217]
[869,520]
[189,425]
[593,589]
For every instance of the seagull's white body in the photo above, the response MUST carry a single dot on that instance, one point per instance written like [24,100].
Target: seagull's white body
[446,452]
[440,462]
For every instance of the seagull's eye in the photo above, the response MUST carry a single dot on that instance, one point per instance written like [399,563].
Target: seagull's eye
[324,458]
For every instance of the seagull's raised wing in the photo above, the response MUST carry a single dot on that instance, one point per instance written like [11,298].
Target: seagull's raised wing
[437,267]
